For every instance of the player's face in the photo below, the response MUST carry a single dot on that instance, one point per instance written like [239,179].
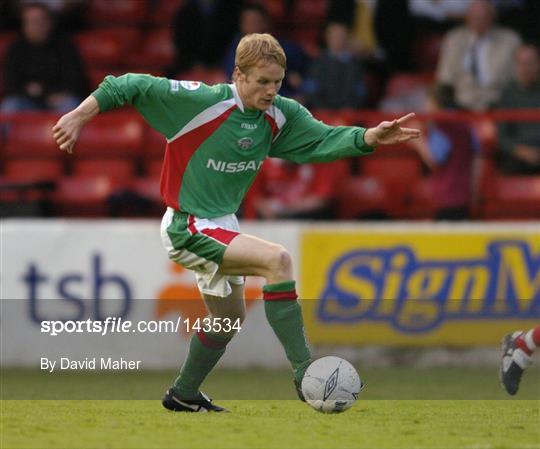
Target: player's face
[259,85]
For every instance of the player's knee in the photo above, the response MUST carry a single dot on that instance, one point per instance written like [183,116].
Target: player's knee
[280,263]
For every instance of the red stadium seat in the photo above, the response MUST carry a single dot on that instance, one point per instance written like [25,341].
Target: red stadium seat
[154,143]
[341,117]
[163,11]
[147,187]
[207,76]
[114,134]
[32,137]
[82,196]
[308,39]
[97,75]
[105,12]
[426,52]
[33,170]
[396,169]
[5,41]
[397,173]
[109,47]
[119,169]
[153,152]
[310,11]
[276,9]
[157,48]
[424,202]
[140,197]
[403,83]
[152,166]
[511,197]
[363,196]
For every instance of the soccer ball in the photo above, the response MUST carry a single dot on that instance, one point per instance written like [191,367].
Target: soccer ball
[331,385]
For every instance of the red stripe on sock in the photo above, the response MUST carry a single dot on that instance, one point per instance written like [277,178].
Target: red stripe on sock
[280,296]
[210,342]
[520,343]
[536,335]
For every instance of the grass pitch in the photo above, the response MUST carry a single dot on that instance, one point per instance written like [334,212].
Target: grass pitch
[271,424]
[386,416]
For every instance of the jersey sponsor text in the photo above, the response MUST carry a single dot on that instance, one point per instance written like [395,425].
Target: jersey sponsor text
[233,167]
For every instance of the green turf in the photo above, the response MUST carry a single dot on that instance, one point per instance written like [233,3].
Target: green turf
[271,424]
[434,408]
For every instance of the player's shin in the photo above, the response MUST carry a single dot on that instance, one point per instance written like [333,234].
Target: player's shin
[284,315]
[205,350]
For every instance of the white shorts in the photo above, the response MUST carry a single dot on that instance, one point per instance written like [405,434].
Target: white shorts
[199,244]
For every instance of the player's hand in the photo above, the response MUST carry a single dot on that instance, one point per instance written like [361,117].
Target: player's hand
[67,130]
[388,133]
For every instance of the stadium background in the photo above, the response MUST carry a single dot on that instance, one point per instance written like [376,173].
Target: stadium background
[418,306]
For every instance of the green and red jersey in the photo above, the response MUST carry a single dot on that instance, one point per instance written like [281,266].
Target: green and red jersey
[216,146]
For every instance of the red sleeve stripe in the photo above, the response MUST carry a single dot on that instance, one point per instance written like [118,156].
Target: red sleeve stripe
[273,124]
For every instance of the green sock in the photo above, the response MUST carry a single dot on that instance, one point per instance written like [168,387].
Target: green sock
[205,349]
[284,315]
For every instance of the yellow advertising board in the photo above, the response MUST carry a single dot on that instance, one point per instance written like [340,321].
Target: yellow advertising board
[419,288]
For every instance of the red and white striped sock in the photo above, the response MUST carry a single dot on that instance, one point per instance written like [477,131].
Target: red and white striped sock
[532,339]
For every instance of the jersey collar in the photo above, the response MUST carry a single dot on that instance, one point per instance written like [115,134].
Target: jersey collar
[237,98]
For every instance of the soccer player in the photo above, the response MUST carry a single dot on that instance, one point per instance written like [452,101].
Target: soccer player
[217,139]
[517,349]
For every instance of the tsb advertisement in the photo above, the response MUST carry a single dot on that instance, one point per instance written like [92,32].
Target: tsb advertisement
[459,286]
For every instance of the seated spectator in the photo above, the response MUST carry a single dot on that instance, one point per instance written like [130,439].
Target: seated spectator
[286,190]
[254,18]
[476,60]
[335,79]
[447,149]
[43,70]
[519,141]
[202,30]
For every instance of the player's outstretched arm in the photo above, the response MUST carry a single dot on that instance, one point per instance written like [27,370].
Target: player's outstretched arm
[388,133]
[67,129]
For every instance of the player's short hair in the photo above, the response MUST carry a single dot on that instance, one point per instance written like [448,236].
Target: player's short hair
[254,48]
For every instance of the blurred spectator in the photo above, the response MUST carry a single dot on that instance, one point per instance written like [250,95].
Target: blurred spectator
[360,17]
[254,18]
[335,79]
[286,190]
[476,59]
[520,142]
[202,29]
[437,15]
[447,149]
[69,14]
[43,70]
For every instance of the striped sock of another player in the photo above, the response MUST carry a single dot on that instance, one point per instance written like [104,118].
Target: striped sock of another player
[529,341]
[205,349]
[284,315]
